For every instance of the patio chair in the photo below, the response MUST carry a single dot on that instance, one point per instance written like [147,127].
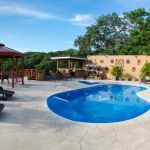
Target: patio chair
[3,77]
[6,93]
[1,107]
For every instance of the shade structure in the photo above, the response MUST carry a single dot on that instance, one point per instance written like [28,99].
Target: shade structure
[71,65]
[6,52]
[14,55]
[70,59]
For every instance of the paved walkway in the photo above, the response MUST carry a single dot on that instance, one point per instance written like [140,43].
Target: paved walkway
[27,124]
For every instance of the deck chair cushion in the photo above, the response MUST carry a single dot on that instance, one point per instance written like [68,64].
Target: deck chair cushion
[1,107]
[6,93]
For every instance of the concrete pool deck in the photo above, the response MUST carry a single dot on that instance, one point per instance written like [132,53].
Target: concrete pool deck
[26,123]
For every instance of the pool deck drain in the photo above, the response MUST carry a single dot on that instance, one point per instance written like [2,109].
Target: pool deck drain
[26,123]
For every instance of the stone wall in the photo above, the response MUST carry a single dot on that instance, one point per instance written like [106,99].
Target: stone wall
[131,64]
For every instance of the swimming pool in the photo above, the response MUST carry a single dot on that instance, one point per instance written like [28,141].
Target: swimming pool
[100,104]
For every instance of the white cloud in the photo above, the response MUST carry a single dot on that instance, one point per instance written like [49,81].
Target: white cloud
[20,10]
[82,19]
[15,9]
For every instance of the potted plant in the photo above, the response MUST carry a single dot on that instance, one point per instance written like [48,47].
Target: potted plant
[115,72]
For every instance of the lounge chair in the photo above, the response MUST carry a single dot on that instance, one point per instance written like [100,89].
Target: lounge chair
[146,80]
[1,107]
[6,93]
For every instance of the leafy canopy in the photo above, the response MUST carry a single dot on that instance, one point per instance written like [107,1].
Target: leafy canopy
[113,34]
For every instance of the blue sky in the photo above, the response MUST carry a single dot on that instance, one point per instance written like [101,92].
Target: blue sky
[51,25]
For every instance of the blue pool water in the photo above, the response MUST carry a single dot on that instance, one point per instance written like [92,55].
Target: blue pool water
[100,104]
[90,83]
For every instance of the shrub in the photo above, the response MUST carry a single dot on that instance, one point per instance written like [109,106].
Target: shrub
[127,76]
[134,78]
[145,72]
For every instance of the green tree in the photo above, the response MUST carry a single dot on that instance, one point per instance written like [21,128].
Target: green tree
[139,30]
[84,45]
[112,34]
[106,36]
[32,59]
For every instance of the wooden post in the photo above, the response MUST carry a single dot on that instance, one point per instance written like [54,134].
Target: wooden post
[13,72]
[36,74]
[22,70]
[26,74]
[74,67]
[81,64]
[2,71]
[57,64]
[69,63]
[16,73]
[31,73]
